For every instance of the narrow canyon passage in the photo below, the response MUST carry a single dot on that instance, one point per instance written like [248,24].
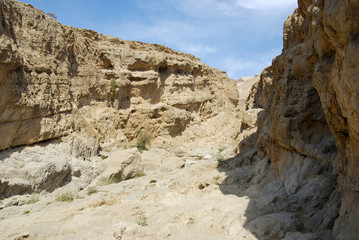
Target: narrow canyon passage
[103,138]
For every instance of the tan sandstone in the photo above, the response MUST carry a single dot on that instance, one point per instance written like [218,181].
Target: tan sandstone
[208,172]
[57,80]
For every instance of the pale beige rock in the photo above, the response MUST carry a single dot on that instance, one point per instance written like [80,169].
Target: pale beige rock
[244,86]
[123,165]
[160,160]
[176,203]
[44,168]
[295,178]
[120,166]
[96,94]
[33,171]
[70,80]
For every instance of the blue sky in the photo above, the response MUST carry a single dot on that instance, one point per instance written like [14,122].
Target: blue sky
[240,37]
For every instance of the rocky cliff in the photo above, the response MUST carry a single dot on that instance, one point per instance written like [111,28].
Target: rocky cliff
[295,177]
[57,80]
[309,126]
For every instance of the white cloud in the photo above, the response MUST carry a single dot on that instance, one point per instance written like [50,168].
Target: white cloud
[237,67]
[232,8]
[226,34]
[160,31]
[208,8]
[197,49]
[181,36]
[267,5]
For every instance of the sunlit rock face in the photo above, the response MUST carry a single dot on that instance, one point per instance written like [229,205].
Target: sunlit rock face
[57,80]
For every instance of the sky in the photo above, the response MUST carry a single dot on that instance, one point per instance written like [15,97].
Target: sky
[240,37]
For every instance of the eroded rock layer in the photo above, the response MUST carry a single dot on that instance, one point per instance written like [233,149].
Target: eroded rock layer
[295,178]
[56,80]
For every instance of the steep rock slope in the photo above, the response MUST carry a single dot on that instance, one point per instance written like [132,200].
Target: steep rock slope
[56,80]
[310,97]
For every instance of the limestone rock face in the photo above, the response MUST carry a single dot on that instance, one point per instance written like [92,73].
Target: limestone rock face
[120,166]
[310,96]
[244,86]
[33,170]
[56,80]
[295,178]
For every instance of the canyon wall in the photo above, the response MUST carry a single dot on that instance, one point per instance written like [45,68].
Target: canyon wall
[57,80]
[310,96]
[300,170]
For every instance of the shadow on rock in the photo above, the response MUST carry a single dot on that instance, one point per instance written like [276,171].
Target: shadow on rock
[298,201]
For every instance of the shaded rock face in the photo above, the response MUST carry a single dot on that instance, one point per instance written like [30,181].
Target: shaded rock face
[310,99]
[56,80]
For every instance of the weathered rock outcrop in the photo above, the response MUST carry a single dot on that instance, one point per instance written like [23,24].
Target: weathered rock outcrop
[245,95]
[310,97]
[56,80]
[295,178]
